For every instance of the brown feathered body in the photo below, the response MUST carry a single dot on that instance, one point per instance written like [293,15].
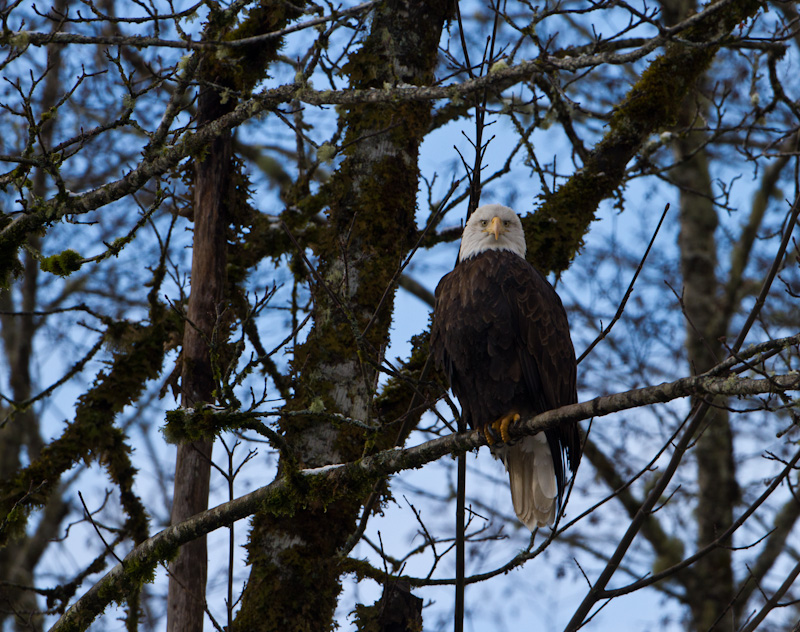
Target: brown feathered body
[501,335]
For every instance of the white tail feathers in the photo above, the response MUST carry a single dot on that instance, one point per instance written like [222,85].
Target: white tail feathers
[533,480]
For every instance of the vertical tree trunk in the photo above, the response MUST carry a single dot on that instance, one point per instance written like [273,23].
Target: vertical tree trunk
[18,562]
[188,573]
[294,580]
[709,584]
[711,587]
[214,199]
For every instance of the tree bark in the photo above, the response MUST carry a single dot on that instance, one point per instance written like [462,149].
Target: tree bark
[188,573]
[215,198]
[294,580]
[709,585]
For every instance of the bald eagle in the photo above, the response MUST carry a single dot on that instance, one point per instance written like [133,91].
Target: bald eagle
[501,335]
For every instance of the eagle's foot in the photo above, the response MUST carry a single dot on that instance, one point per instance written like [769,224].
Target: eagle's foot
[500,428]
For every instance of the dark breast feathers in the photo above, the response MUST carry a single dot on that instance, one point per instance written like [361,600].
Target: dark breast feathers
[501,335]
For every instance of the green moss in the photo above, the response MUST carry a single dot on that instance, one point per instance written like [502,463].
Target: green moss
[19,39]
[10,266]
[62,264]
[140,571]
[136,572]
[241,68]
[555,232]
[293,555]
[670,556]
[326,152]
[92,434]
[202,422]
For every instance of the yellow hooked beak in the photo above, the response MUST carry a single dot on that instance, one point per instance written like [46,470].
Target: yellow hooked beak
[495,227]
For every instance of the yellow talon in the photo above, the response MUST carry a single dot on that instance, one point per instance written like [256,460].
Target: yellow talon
[500,426]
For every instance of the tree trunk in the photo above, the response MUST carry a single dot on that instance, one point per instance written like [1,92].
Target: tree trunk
[215,197]
[709,585]
[21,433]
[188,573]
[710,589]
[294,581]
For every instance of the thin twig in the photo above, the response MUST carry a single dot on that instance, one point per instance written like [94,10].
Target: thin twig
[97,529]
[628,292]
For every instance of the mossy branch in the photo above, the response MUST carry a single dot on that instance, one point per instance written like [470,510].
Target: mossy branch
[92,434]
[555,231]
[62,264]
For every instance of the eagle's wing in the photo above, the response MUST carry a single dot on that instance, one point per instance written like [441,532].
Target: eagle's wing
[449,352]
[472,342]
[546,355]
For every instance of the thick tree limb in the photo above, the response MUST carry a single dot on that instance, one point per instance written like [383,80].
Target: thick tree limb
[555,231]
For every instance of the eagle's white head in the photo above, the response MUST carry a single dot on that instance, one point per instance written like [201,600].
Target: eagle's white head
[492,227]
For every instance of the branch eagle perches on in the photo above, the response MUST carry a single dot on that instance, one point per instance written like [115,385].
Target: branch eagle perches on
[139,565]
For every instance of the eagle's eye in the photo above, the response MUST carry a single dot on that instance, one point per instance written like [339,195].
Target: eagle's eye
[484,222]
[507,223]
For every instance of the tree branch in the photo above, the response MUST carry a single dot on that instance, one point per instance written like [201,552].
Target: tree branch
[29,38]
[555,231]
[141,562]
